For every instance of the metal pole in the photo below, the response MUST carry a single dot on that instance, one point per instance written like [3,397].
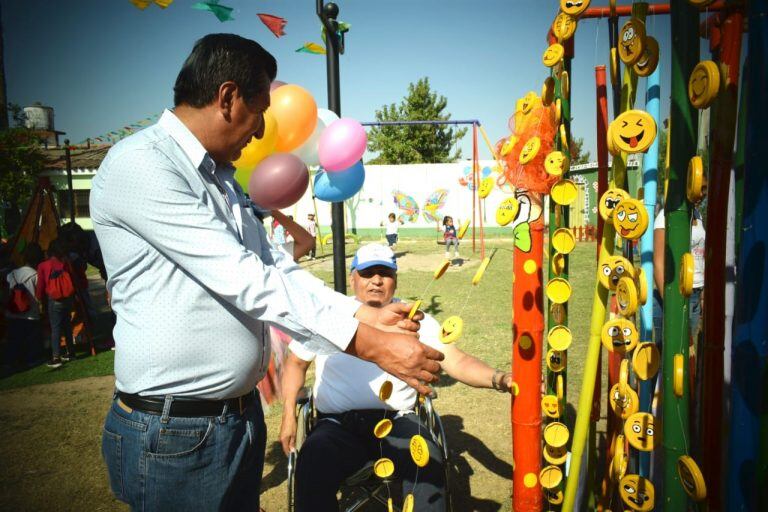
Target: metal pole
[328,14]
[71,192]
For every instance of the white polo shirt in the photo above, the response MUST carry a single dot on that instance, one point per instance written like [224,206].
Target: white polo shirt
[344,382]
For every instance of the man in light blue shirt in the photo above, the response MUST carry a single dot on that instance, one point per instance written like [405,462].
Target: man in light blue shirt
[195,286]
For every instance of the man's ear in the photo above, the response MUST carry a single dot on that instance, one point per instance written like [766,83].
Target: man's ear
[225,99]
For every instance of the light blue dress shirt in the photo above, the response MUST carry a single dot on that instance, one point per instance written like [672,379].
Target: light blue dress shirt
[193,279]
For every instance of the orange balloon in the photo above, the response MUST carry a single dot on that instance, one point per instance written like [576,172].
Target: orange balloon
[256,150]
[296,113]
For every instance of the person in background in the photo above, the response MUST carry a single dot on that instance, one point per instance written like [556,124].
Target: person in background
[58,309]
[450,237]
[312,230]
[24,329]
[278,234]
[391,232]
[299,241]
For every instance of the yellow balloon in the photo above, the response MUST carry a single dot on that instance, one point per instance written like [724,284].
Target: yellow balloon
[256,151]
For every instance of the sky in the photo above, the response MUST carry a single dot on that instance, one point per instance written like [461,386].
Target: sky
[105,64]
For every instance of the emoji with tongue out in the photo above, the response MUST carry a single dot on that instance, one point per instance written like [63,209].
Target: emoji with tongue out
[704,84]
[633,131]
[630,219]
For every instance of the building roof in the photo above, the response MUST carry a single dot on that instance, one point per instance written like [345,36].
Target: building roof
[82,158]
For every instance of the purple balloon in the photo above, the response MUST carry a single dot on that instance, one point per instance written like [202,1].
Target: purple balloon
[278,181]
[342,144]
[275,84]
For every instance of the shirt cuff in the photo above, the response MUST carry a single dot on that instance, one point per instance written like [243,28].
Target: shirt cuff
[300,351]
[343,328]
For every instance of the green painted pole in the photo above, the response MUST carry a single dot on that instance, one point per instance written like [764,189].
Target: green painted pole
[675,422]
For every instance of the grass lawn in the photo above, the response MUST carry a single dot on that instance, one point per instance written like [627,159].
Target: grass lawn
[50,431]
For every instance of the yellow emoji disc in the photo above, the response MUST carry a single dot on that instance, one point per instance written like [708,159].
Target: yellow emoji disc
[529,150]
[642,431]
[508,145]
[678,375]
[462,229]
[564,192]
[451,329]
[630,219]
[408,503]
[626,296]
[650,59]
[550,477]
[558,264]
[642,286]
[559,337]
[620,459]
[694,186]
[612,149]
[554,496]
[439,271]
[382,428]
[564,26]
[507,211]
[646,360]
[486,186]
[574,7]
[637,493]
[419,450]
[481,270]
[633,131]
[614,66]
[414,309]
[556,360]
[558,111]
[565,85]
[385,391]
[686,275]
[384,467]
[563,240]
[610,200]
[624,404]
[548,91]
[556,434]
[691,478]
[558,290]
[554,455]
[556,163]
[553,54]
[550,407]
[528,101]
[390,505]
[563,136]
[613,268]
[704,84]
[619,335]
[631,41]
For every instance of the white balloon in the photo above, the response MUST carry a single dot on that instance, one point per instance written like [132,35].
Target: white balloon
[308,151]
[327,116]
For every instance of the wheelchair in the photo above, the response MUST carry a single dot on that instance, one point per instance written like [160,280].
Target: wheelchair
[371,488]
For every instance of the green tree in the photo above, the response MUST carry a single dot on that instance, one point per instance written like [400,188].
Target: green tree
[418,143]
[577,154]
[20,161]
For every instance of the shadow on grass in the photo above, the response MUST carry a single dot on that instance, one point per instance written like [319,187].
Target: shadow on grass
[279,462]
[460,443]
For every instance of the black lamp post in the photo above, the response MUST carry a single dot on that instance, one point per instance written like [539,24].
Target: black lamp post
[328,14]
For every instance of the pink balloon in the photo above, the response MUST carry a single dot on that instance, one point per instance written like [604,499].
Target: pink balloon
[275,84]
[342,144]
[278,181]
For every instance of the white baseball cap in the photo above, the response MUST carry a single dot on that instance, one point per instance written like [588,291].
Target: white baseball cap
[370,255]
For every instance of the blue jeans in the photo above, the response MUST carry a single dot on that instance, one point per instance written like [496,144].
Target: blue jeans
[60,318]
[23,342]
[162,463]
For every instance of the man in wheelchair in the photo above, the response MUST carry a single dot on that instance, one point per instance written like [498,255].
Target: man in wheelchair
[348,407]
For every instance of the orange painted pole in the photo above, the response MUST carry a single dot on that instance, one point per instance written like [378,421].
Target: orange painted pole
[475,182]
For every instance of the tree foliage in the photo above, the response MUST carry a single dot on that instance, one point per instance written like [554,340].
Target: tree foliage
[20,161]
[577,154]
[419,143]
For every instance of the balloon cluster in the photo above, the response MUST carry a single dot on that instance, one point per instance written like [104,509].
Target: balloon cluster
[298,135]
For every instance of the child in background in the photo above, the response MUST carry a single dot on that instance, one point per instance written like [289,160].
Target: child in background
[24,329]
[59,308]
[392,227]
[450,237]
[312,230]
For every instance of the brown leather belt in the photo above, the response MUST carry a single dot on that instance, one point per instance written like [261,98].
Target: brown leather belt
[188,407]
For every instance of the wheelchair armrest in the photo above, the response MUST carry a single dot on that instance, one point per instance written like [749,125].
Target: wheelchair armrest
[304,396]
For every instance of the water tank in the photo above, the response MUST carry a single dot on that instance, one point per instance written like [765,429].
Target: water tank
[39,117]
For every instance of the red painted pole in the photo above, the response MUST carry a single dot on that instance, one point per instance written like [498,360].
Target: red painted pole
[723,133]
[476,160]
[626,10]
[602,144]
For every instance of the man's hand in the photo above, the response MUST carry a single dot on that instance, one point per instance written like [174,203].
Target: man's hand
[288,432]
[392,317]
[401,355]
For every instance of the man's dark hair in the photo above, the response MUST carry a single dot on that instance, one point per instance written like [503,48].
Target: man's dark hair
[218,58]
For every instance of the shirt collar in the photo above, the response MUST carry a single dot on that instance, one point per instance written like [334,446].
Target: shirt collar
[187,141]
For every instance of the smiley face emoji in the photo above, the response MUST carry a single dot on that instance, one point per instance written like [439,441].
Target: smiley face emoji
[642,431]
[624,405]
[637,493]
[507,211]
[691,478]
[610,200]
[550,406]
[650,59]
[612,269]
[527,102]
[633,131]
[574,7]
[556,360]
[704,84]
[564,26]
[529,150]
[451,329]
[619,335]
[632,41]
[630,218]
[508,145]
[554,455]
[486,185]
[556,163]
[553,54]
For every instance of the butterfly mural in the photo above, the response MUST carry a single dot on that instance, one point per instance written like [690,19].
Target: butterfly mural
[468,179]
[409,208]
